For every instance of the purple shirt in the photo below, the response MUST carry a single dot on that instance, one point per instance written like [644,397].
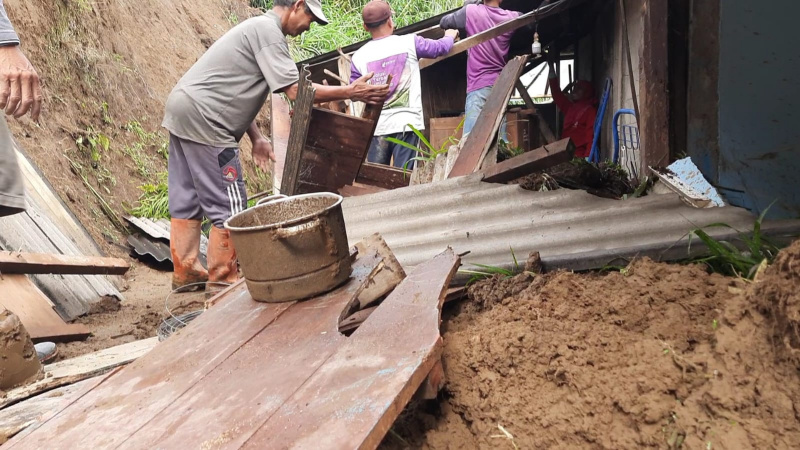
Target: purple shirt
[426,48]
[488,59]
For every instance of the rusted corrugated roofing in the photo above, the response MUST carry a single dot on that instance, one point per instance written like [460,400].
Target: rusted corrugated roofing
[154,240]
[571,229]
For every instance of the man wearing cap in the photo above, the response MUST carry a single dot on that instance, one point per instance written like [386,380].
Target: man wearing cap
[398,56]
[210,110]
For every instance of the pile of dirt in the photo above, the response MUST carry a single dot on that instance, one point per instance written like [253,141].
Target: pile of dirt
[662,356]
[18,362]
[604,179]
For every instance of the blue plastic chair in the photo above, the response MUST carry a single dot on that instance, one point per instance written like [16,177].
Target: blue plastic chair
[594,154]
[626,137]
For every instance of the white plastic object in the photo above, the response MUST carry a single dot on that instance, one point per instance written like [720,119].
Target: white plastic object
[536,49]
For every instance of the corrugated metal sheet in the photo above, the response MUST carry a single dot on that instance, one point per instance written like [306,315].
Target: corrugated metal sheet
[155,241]
[35,232]
[569,228]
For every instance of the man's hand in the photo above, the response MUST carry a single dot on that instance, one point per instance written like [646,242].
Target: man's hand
[361,91]
[262,154]
[20,91]
[451,33]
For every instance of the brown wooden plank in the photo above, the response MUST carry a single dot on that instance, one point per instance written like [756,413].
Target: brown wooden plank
[23,298]
[38,263]
[653,76]
[281,125]
[353,399]
[527,163]
[382,176]
[72,370]
[301,120]
[115,410]
[544,128]
[355,190]
[480,139]
[231,402]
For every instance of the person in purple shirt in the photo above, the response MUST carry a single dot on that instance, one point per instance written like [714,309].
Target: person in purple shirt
[484,61]
[387,54]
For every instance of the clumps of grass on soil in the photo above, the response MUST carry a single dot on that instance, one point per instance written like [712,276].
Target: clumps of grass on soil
[658,356]
[605,179]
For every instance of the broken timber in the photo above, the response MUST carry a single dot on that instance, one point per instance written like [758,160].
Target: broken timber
[40,263]
[273,376]
[326,148]
[527,163]
[479,140]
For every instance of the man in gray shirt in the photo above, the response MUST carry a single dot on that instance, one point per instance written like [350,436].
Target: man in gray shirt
[20,93]
[209,111]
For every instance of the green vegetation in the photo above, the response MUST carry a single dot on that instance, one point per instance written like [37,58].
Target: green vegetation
[93,142]
[728,259]
[346,26]
[154,201]
[484,271]
[429,153]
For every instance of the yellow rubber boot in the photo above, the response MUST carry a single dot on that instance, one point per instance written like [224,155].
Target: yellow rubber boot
[184,245]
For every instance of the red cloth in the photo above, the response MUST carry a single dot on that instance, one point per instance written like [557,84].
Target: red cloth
[578,117]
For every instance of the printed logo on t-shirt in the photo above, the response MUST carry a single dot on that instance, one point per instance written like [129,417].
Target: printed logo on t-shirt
[395,66]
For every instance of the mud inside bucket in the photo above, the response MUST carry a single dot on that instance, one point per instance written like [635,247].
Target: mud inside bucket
[292,248]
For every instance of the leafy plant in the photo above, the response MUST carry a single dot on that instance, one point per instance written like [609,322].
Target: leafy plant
[506,151]
[93,142]
[484,271]
[728,259]
[154,200]
[428,153]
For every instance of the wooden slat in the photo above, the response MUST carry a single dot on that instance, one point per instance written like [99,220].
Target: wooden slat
[382,176]
[653,80]
[356,189]
[527,163]
[75,369]
[281,125]
[258,378]
[480,139]
[23,298]
[38,263]
[544,128]
[109,414]
[301,120]
[335,148]
[353,399]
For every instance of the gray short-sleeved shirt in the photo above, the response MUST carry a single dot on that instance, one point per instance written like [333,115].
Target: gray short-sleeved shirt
[219,97]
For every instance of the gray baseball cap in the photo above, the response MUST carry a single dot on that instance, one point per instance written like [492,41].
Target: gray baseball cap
[316,7]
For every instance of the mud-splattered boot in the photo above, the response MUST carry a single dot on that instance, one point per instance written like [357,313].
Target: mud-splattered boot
[222,263]
[184,245]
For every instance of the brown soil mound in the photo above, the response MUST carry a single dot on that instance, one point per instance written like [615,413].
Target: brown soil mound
[661,356]
[777,294]
[18,362]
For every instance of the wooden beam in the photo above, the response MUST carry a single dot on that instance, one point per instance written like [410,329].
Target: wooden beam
[491,33]
[654,76]
[386,177]
[301,119]
[480,139]
[70,371]
[527,163]
[41,263]
[544,128]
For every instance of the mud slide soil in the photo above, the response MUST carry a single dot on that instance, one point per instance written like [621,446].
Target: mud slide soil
[660,356]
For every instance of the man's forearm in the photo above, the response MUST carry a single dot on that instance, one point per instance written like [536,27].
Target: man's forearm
[332,93]
[254,133]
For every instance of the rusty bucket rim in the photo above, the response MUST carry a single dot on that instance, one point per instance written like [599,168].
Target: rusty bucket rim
[285,223]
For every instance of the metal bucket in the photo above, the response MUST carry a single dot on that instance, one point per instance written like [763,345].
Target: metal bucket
[292,248]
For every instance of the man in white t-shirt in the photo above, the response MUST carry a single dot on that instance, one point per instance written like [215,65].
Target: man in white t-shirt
[398,56]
